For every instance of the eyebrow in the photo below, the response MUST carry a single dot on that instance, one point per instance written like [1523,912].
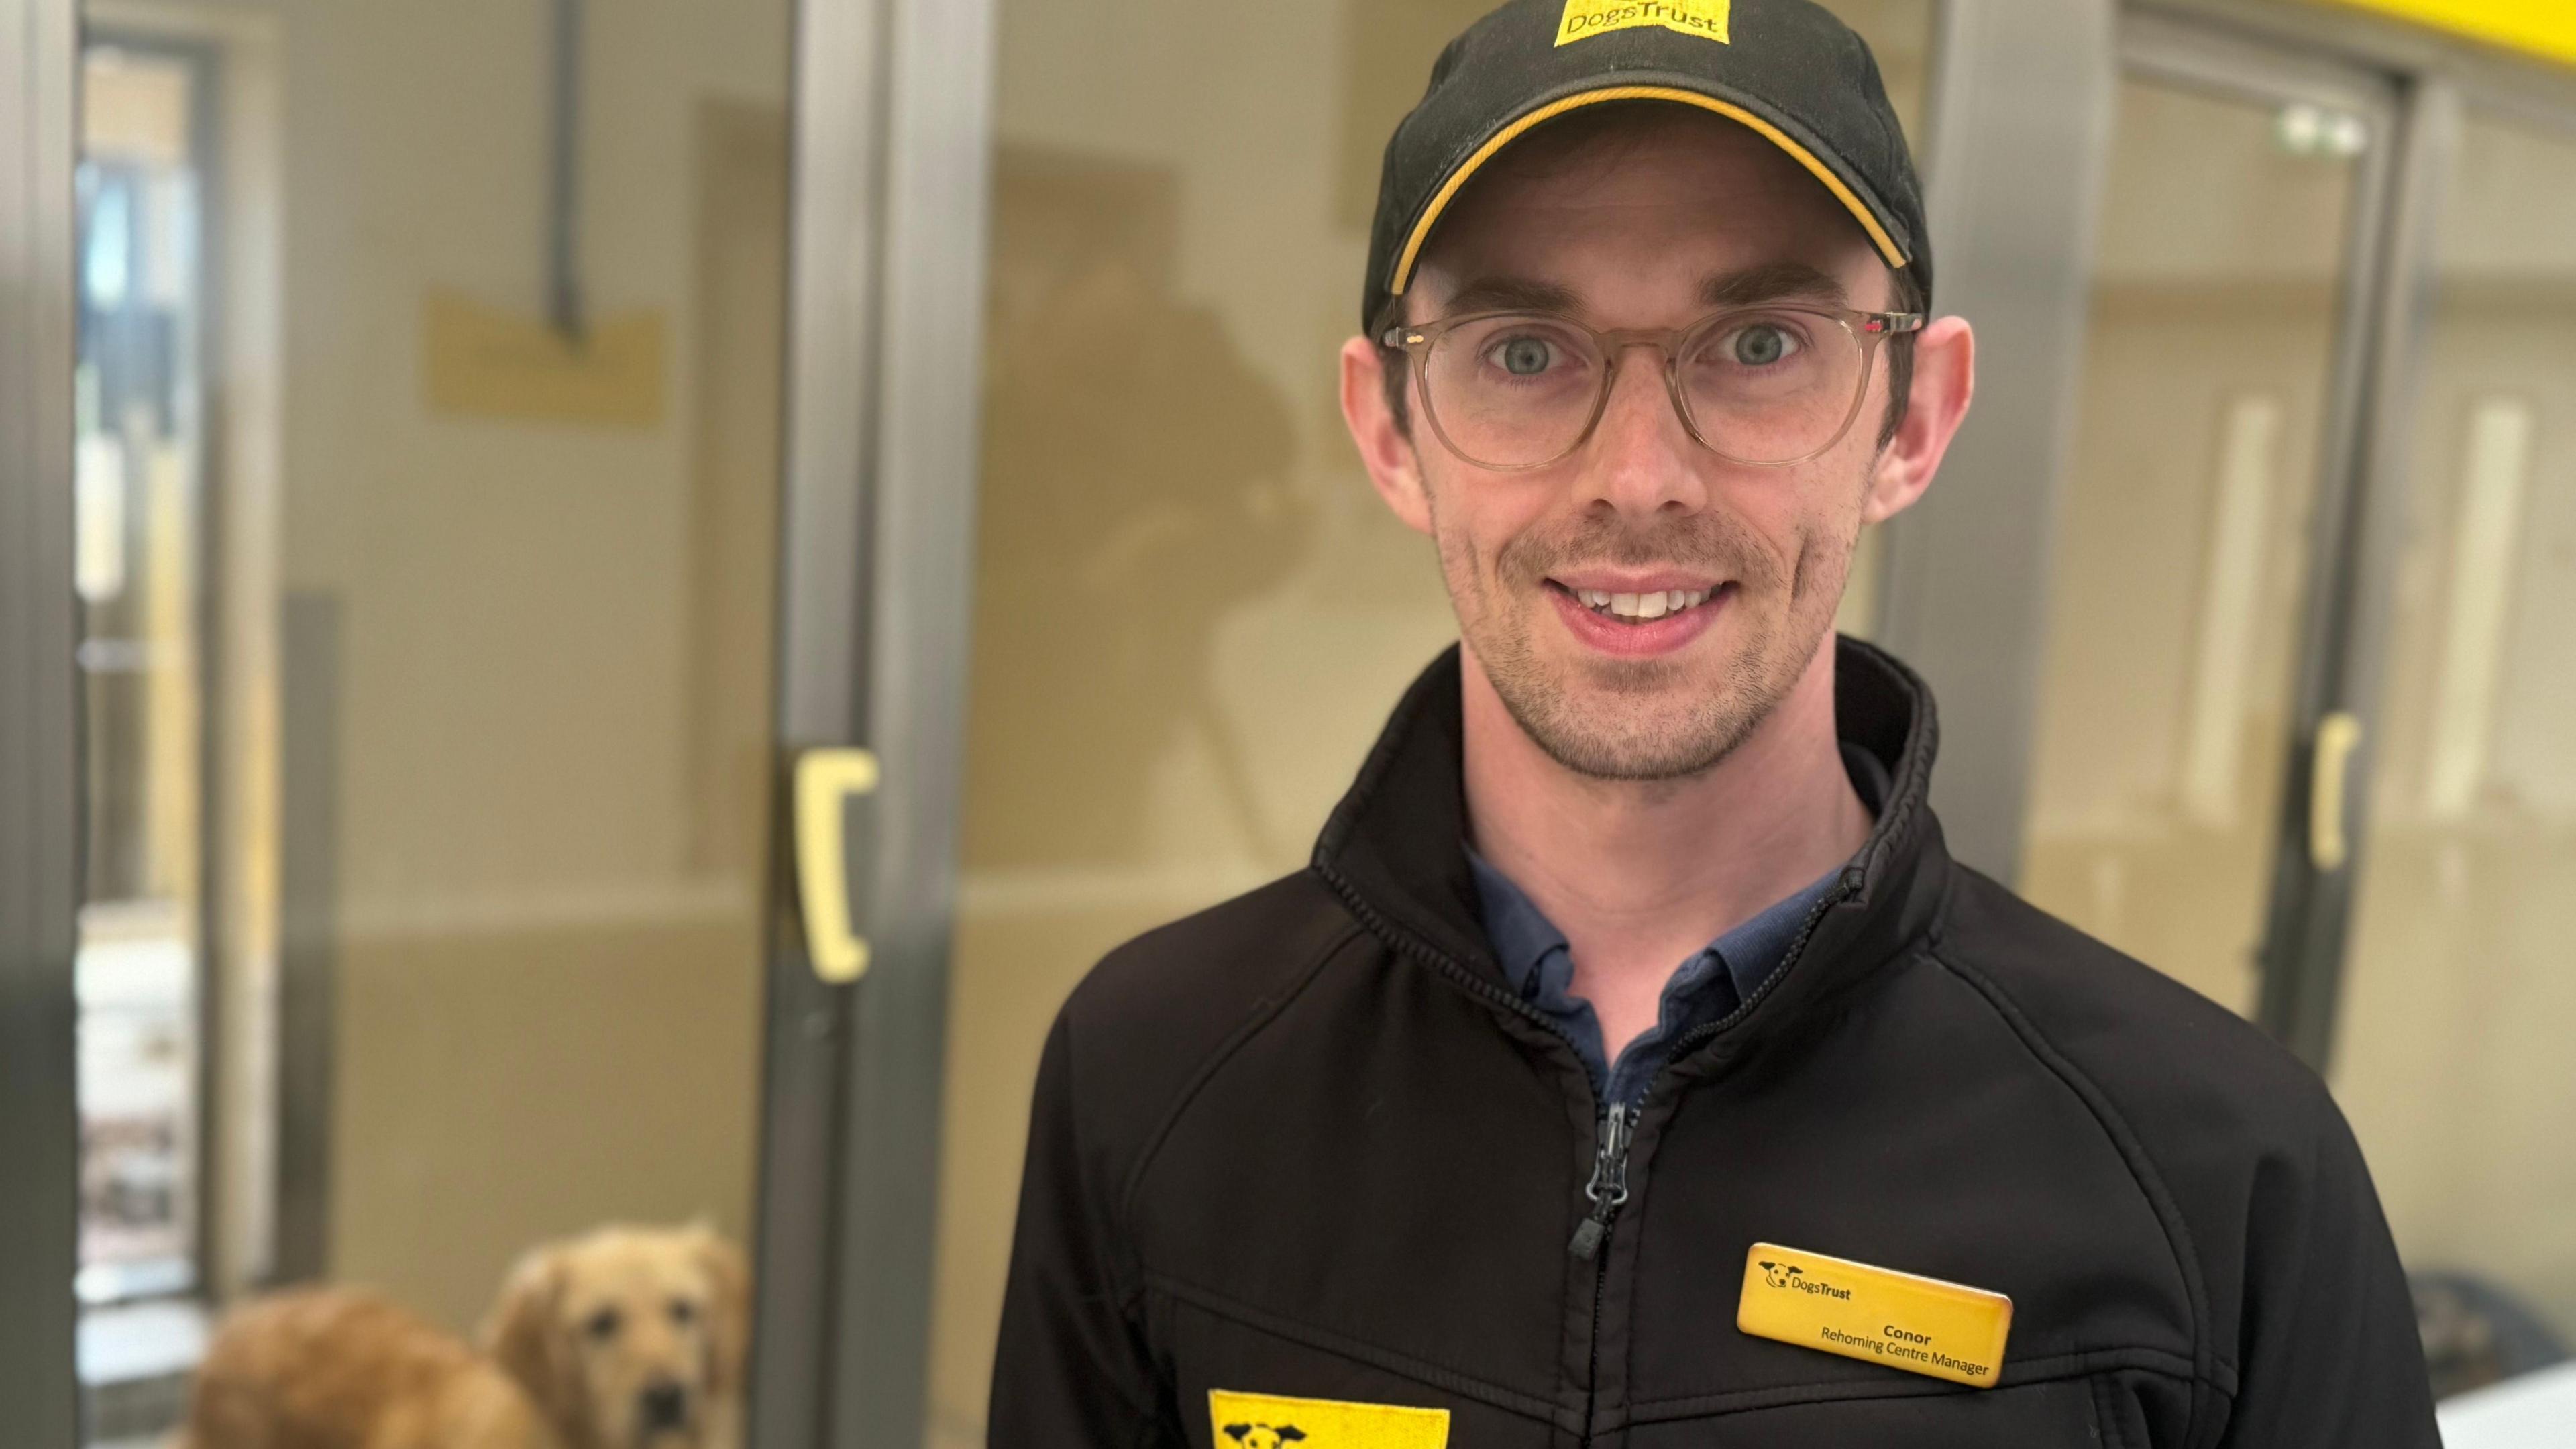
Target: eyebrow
[1769,282]
[1772,282]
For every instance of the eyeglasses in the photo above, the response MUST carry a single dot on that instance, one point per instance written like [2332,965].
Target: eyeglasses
[1767,385]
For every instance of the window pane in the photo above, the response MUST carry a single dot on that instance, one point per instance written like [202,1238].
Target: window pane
[2459,1004]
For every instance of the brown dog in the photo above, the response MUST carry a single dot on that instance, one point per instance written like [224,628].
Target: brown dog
[625,1338]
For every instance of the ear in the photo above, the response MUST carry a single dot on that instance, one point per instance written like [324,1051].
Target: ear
[1945,378]
[1237,1431]
[525,1337]
[1292,1432]
[1386,450]
[728,1312]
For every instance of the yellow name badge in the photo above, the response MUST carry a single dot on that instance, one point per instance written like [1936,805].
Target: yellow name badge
[1920,1325]
[1266,1421]
[1585,19]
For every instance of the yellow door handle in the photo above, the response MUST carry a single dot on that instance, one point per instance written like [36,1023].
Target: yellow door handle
[2338,735]
[825,780]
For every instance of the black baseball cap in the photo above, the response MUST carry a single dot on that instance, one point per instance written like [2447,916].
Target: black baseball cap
[1786,69]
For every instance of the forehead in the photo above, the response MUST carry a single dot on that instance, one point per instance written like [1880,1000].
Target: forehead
[1633,202]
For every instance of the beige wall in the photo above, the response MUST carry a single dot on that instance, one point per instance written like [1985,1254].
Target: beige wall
[553,674]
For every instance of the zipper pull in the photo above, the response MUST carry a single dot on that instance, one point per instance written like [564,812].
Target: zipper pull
[1609,1185]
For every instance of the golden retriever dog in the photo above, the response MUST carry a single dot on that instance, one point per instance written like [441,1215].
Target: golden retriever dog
[624,1338]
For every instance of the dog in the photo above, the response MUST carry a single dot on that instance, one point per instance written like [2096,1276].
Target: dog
[624,1338]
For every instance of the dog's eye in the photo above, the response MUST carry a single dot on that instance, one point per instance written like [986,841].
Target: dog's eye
[602,1325]
[683,1312]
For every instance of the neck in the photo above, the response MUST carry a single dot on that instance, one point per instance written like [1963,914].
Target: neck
[1639,875]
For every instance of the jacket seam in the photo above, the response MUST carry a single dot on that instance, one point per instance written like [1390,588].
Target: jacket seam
[2207,1367]
[1262,1013]
[2057,1368]
[1423,1370]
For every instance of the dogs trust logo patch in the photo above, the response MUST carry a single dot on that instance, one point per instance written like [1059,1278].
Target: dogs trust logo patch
[1267,1421]
[1585,19]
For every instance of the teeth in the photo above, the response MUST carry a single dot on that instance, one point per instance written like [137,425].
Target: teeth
[1641,607]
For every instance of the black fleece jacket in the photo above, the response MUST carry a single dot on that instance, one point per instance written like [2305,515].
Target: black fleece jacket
[1306,1144]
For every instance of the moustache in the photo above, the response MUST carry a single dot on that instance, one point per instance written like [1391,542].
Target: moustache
[1706,542]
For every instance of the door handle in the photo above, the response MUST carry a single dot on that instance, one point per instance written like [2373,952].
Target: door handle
[825,781]
[2338,735]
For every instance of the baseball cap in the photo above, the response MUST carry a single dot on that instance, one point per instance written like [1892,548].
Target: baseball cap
[1786,69]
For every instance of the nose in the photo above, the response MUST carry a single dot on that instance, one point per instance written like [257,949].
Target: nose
[665,1405]
[1642,460]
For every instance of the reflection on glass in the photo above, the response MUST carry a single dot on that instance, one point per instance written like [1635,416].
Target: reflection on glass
[2458,1004]
[138,490]
[427,650]
[1191,613]
[2182,551]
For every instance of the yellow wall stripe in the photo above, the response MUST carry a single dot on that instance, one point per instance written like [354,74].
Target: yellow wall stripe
[1887,246]
[2546,28]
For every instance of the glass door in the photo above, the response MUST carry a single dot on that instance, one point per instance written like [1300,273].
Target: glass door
[2233,288]
[453,543]
[2457,1003]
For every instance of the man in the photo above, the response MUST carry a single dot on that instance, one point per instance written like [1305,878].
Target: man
[1633,1065]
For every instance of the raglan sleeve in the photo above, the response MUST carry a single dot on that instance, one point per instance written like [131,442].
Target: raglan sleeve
[2330,1355]
[1073,1366]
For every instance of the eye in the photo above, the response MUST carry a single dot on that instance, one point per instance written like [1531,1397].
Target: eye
[1524,356]
[1762,344]
[683,1312]
[602,1325]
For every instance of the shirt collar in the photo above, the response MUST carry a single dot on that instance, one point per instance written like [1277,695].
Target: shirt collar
[1528,944]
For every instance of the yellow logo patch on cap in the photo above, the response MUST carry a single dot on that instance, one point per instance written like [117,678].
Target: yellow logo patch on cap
[1266,1421]
[1921,1325]
[1585,19]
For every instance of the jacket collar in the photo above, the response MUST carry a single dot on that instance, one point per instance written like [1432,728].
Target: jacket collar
[1394,848]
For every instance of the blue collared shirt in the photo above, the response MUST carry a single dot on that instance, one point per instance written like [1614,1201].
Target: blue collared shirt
[1722,976]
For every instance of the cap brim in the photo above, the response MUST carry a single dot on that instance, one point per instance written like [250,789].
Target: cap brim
[1494,144]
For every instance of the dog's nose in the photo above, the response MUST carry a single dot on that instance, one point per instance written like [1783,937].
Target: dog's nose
[665,1404]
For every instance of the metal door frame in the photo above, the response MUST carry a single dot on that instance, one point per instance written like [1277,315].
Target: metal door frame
[889,202]
[40,826]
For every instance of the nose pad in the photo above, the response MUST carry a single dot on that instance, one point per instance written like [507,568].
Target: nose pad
[664,1404]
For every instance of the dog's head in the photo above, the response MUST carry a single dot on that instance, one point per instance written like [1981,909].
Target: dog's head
[1264,1436]
[628,1338]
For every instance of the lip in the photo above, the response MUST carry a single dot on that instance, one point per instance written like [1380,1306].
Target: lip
[1648,640]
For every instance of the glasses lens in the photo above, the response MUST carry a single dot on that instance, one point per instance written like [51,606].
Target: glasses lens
[1509,392]
[1771,386]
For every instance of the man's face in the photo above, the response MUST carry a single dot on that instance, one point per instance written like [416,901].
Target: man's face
[1636,223]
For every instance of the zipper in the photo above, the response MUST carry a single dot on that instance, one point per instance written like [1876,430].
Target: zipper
[1608,1189]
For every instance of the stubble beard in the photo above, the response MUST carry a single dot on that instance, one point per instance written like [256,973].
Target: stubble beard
[1640,719]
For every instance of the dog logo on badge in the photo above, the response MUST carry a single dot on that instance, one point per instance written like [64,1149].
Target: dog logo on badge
[1264,1436]
[1782,1275]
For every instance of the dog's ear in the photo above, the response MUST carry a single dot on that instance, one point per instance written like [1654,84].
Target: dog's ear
[525,1336]
[729,1312]
[1290,1433]
[1237,1431]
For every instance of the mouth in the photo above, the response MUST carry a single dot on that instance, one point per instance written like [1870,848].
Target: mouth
[1636,623]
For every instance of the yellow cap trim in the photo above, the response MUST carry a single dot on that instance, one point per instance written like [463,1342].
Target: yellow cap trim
[1887,246]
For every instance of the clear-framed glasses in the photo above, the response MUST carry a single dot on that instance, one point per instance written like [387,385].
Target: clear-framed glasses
[1764,385]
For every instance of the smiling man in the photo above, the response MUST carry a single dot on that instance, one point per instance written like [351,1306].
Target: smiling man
[1633,1065]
